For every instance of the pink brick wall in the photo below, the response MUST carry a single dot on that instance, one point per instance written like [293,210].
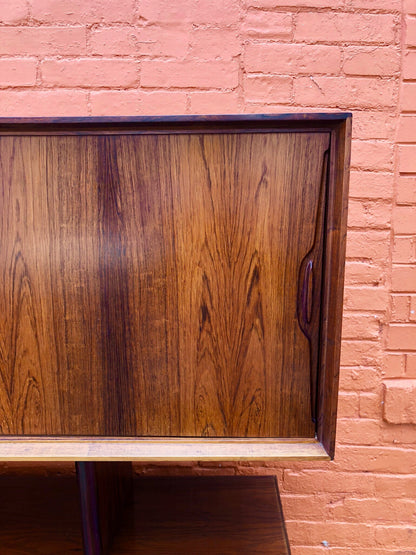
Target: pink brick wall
[101,57]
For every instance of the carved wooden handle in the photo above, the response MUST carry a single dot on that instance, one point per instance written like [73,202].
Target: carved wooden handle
[305,297]
[307,292]
[310,286]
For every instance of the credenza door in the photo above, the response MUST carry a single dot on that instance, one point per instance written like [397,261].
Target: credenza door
[161,284]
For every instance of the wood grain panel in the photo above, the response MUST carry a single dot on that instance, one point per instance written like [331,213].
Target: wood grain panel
[29,388]
[149,283]
[73,258]
[247,208]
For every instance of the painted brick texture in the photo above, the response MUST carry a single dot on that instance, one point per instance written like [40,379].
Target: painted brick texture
[100,57]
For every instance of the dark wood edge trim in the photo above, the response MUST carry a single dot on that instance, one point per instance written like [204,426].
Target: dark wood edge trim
[171,124]
[88,494]
[214,118]
[332,303]
[104,489]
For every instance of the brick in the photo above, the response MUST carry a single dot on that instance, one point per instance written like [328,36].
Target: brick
[267,24]
[371,61]
[359,379]
[195,74]
[118,103]
[406,190]
[362,92]
[369,405]
[345,27]
[13,12]
[366,184]
[295,3]
[153,40]
[373,125]
[83,11]
[360,431]
[348,535]
[409,65]
[410,31]
[388,5]
[374,510]
[360,353]
[17,72]
[400,401]
[208,12]
[400,308]
[18,41]
[300,507]
[408,97]
[368,245]
[401,337]
[393,365]
[261,108]
[381,459]
[158,40]
[90,72]
[270,89]
[395,486]
[366,298]
[410,365]
[405,434]
[412,311]
[404,219]
[208,102]
[357,326]
[211,44]
[407,129]
[327,481]
[407,158]
[362,273]
[32,103]
[292,58]
[348,405]
[371,155]
[403,278]
[409,6]
[162,102]
[112,41]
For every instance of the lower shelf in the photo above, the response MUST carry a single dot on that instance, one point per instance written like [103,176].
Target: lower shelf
[204,515]
[166,515]
[39,516]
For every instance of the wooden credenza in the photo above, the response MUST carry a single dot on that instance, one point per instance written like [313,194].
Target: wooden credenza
[171,288]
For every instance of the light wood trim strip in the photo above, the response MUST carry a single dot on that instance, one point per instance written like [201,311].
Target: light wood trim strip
[115,449]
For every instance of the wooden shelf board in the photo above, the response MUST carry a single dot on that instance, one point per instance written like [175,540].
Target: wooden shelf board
[205,515]
[39,515]
[145,449]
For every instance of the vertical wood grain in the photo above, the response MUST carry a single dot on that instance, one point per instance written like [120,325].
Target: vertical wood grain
[76,315]
[149,283]
[29,388]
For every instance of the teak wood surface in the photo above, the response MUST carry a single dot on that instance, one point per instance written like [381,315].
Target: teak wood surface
[166,277]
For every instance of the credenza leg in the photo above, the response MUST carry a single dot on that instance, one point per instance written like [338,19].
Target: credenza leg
[104,488]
